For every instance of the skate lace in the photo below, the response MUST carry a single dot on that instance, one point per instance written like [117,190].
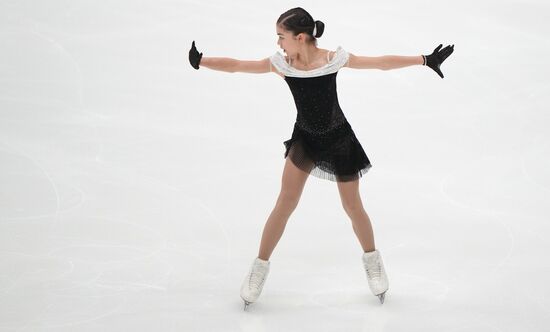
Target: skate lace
[256,278]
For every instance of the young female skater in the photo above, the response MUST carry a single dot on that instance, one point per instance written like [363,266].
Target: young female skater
[323,143]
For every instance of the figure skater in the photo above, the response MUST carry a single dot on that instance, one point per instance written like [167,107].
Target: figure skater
[323,143]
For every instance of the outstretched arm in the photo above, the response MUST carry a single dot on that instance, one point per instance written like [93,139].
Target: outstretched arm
[387,62]
[229,64]
[233,65]
[384,62]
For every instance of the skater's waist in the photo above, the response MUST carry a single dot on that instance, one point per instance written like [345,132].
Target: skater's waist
[335,130]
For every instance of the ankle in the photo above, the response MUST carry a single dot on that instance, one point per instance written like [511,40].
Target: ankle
[263,257]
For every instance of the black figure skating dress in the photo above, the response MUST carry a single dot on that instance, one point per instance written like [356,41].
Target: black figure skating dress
[323,143]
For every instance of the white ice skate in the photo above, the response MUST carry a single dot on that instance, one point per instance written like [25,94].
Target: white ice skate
[254,281]
[376,274]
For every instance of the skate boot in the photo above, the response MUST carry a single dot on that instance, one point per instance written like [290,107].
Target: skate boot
[254,281]
[376,275]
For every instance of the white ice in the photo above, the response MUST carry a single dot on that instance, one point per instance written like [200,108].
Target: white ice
[134,188]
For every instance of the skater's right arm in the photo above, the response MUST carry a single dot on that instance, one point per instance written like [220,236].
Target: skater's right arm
[233,65]
[229,64]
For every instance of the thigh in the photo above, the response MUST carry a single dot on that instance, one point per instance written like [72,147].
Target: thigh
[293,182]
[349,194]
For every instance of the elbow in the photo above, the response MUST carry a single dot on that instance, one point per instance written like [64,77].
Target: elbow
[233,66]
[384,63]
[387,66]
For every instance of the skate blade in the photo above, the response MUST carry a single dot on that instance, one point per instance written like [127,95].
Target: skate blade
[381,297]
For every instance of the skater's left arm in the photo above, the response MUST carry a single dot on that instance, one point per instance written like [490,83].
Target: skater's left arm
[387,62]
[384,62]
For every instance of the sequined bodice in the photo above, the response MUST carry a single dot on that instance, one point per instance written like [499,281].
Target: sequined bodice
[316,102]
[314,93]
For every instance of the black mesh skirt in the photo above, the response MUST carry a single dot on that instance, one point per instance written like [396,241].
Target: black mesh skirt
[336,155]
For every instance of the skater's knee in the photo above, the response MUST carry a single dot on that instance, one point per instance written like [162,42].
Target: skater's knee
[353,209]
[288,200]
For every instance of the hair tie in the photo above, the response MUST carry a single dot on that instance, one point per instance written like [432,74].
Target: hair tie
[314,28]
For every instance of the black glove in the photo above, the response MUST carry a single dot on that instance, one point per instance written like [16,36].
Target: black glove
[437,57]
[194,56]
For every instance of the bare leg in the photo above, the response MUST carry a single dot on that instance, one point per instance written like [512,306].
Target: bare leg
[351,201]
[292,185]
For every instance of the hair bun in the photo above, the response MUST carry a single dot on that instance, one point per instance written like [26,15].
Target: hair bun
[318,29]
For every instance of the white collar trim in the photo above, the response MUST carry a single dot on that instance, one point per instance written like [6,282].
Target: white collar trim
[338,61]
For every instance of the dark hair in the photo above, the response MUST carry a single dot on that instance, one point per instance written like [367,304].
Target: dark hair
[298,20]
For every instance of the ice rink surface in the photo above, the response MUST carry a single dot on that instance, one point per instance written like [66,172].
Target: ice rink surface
[134,188]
